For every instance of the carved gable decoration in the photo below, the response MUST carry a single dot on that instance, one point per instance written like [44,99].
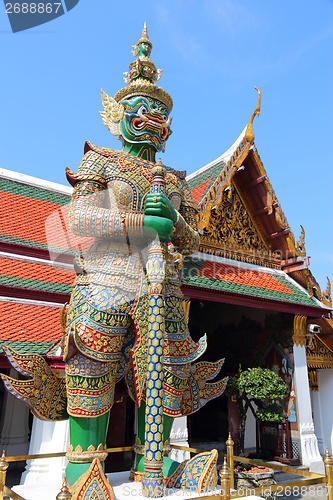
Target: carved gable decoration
[230,224]
[318,355]
[231,233]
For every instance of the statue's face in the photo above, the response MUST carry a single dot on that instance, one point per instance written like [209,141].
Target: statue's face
[144,49]
[146,120]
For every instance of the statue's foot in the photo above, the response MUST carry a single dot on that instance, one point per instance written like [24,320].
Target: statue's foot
[197,474]
[75,470]
[169,466]
[92,480]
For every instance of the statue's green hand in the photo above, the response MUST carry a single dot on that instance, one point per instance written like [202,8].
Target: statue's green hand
[158,204]
[153,226]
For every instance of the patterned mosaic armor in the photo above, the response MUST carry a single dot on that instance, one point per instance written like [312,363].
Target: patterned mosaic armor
[107,315]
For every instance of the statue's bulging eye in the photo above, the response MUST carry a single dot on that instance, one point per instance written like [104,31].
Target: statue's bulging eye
[142,111]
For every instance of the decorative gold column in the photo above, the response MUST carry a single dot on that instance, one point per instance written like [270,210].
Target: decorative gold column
[3,470]
[225,475]
[230,459]
[329,474]
[313,380]
[64,493]
[299,337]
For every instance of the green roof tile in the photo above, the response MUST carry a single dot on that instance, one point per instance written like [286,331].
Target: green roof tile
[25,347]
[33,192]
[35,284]
[211,173]
[28,243]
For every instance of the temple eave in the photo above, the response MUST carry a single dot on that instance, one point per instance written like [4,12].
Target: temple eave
[202,293]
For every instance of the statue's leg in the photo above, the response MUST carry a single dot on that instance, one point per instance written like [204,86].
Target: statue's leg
[90,396]
[169,465]
[85,432]
[175,376]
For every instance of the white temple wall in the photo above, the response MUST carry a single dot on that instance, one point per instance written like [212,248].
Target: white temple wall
[14,436]
[323,410]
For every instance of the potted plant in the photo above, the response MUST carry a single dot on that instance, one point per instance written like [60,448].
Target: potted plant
[261,391]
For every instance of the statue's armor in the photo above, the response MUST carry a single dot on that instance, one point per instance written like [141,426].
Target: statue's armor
[107,317]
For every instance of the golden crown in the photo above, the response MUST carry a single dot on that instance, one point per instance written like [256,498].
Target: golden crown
[142,75]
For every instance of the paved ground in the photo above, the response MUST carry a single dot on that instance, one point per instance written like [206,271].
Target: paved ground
[311,493]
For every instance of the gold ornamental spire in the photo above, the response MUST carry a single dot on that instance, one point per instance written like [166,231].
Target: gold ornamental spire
[143,39]
[142,74]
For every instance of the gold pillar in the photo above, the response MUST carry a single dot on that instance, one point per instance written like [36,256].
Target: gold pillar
[64,493]
[314,380]
[299,337]
[225,481]
[329,474]
[230,460]
[3,470]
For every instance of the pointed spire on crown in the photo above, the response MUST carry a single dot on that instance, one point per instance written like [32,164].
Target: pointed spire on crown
[142,74]
[143,39]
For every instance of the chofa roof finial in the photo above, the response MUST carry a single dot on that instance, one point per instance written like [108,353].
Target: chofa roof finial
[249,135]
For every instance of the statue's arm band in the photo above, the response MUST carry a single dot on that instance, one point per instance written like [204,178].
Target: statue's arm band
[88,217]
[185,238]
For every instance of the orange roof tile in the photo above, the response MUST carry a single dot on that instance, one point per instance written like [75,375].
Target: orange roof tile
[34,271]
[198,191]
[240,276]
[22,322]
[38,221]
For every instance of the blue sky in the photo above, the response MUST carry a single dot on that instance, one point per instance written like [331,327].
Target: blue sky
[213,53]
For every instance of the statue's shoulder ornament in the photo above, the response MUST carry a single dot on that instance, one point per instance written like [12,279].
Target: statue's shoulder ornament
[106,152]
[181,174]
[93,166]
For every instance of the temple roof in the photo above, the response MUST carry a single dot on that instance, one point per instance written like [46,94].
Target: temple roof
[201,181]
[29,277]
[224,280]
[240,217]
[36,261]
[43,229]
[29,326]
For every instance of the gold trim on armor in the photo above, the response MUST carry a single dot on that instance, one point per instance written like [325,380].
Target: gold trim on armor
[79,456]
[139,448]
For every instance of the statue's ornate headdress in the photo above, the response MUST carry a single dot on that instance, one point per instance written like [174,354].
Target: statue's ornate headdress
[140,79]
[143,39]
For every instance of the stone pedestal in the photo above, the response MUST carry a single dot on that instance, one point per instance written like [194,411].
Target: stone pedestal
[179,437]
